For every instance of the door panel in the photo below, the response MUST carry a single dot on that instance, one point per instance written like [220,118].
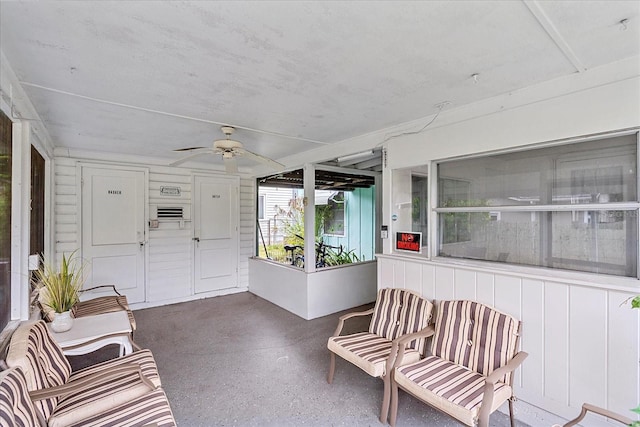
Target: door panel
[113,229]
[216,242]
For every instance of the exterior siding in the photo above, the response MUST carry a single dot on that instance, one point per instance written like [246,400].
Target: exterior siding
[169,247]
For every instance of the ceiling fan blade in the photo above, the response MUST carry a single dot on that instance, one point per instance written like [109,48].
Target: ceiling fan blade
[269,162]
[190,156]
[230,165]
[188,149]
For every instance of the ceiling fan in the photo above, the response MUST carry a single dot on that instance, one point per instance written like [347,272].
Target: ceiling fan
[229,149]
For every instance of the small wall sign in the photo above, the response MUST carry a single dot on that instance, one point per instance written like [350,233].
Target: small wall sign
[169,191]
[114,191]
[409,241]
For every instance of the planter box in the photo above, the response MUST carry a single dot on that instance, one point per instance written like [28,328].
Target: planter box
[317,294]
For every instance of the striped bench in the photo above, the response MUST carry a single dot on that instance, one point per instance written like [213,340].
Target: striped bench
[397,312]
[468,374]
[66,398]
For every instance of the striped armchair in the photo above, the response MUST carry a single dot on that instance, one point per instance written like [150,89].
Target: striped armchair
[468,373]
[397,313]
[17,408]
[65,398]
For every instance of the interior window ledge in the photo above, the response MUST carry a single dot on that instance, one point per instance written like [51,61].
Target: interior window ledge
[604,281]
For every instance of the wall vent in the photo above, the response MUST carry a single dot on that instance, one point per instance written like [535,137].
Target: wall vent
[170,213]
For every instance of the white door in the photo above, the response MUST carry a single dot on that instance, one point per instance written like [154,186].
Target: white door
[113,228]
[216,242]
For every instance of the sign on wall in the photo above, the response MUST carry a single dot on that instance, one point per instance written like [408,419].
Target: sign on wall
[409,241]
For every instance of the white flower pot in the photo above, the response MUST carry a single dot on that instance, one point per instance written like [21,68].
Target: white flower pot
[62,322]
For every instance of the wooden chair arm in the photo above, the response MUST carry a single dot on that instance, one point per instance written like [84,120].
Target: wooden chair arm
[112,373]
[344,317]
[490,381]
[399,345]
[600,411]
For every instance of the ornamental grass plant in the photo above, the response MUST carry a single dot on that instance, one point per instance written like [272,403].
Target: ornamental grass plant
[59,288]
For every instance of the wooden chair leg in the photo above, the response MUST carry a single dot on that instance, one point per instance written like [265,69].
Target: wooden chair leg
[332,367]
[513,421]
[394,404]
[384,412]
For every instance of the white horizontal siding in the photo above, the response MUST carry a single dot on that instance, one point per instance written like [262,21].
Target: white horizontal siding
[169,247]
[247,228]
[583,346]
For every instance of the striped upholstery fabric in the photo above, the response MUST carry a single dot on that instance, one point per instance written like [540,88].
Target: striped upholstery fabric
[471,340]
[44,365]
[397,312]
[475,336]
[453,388]
[144,358]
[41,360]
[150,408]
[367,351]
[16,408]
[106,304]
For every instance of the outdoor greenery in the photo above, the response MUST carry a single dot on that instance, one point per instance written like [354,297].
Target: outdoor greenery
[293,230]
[59,289]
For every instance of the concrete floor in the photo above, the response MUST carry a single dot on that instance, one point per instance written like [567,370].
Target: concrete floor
[239,360]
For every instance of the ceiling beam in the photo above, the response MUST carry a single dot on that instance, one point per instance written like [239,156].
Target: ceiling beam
[542,18]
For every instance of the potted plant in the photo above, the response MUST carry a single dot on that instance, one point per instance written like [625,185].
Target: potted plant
[59,289]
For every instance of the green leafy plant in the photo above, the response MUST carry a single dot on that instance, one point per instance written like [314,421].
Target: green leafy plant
[59,288]
[338,258]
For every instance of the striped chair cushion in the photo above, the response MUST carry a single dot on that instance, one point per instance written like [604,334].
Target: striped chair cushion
[16,408]
[106,304]
[367,351]
[41,360]
[144,358]
[475,336]
[398,312]
[149,408]
[453,388]
[96,398]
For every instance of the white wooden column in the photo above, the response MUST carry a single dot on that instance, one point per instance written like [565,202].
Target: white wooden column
[309,177]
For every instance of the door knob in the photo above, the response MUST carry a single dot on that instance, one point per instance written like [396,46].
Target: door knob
[196,239]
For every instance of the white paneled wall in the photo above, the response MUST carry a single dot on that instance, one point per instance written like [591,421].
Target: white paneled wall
[169,247]
[247,227]
[583,345]
[66,207]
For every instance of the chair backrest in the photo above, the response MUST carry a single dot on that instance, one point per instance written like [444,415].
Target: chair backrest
[398,312]
[40,357]
[475,335]
[16,408]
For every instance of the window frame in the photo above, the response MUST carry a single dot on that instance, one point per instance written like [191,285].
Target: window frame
[262,197]
[326,221]
[628,206]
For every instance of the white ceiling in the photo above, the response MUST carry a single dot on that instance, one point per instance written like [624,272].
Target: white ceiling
[145,78]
